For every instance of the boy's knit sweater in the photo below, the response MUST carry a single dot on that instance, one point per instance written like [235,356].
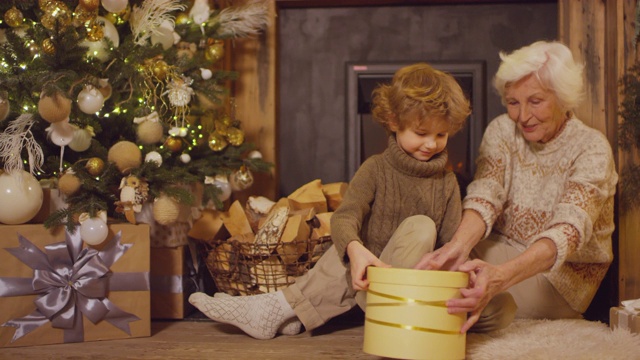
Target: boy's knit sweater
[388,188]
[562,190]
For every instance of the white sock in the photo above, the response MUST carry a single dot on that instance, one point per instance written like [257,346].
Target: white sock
[292,326]
[259,316]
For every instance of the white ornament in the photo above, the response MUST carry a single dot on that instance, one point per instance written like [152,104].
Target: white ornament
[61,133]
[96,49]
[81,140]
[21,197]
[90,100]
[200,11]
[153,156]
[174,131]
[206,73]
[110,31]
[254,154]
[222,183]
[185,158]
[180,91]
[164,35]
[94,231]
[115,6]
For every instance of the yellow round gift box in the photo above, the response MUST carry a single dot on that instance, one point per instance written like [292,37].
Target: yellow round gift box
[406,316]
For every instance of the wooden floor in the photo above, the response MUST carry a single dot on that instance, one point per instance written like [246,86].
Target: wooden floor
[341,338]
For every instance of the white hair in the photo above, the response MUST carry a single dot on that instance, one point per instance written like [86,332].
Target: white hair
[552,63]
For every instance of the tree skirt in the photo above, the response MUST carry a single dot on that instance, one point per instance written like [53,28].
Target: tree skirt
[554,339]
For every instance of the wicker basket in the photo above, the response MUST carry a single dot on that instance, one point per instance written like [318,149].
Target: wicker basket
[244,269]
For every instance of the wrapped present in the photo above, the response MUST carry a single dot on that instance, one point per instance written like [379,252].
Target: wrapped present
[55,289]
[623,318]
[173,279]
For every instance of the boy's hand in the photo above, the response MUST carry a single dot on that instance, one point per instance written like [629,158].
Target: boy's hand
[360,258]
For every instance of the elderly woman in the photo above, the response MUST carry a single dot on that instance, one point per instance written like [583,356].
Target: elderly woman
[538,217]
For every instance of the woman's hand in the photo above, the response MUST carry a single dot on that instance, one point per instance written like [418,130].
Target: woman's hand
[448,257]
[485,282]
[360,258]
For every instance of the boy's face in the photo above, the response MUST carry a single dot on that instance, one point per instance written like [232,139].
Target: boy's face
[423,140]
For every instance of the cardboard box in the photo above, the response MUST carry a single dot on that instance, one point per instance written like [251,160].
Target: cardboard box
[173,279]
[116,307]
[620,318]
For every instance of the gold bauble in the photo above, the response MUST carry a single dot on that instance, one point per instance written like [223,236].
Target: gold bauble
[166,210]
[182,18]
[54,108]
[34,49]
[95,166]
[13,17]
[121,17]
[44,4]
[214,52]
[160,69]
[221,126]
[82,15]
[217,142]
[150,132]
[89,5]
[56,12]
[235,136]
[95,31]
[241,179]
[48,46]
[173,143]
[69,183]
[125,155]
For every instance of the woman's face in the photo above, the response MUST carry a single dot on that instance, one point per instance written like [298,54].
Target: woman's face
[535,109]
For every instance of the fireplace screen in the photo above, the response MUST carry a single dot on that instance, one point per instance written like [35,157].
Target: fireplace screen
[365,137]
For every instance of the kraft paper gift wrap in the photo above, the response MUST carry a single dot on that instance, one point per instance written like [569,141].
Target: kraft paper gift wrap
[622,318]
[406,316]
[173,278]
[54,289]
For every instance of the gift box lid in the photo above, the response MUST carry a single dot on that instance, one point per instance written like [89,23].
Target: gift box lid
[432,278]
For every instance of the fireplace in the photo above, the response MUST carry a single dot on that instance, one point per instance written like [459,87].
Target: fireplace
[365,137]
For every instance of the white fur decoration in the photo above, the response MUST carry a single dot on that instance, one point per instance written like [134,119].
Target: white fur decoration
[147,19]
[16,137]
[244,20]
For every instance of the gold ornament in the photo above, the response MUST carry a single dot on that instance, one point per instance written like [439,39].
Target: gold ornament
[95,166]
[82,15]
[48,46]
[44,4]
[95,31]
[56,13]
[89,5]
[13,17]
[125,155]
[217,142]
[34,49]
[241,179]
[160,69]
[235,136]
[182,18]
[214,51]
[173,143]
[69,183]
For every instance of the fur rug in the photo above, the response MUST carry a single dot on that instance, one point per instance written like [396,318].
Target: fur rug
[554,339]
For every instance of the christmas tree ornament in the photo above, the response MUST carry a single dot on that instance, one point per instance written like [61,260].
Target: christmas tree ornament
[222,183]
[56,14]
[54,108]
[174,144]
[217,142]
[214,51]
[95,31]
[48,47]
[4,107]
[160,69]
[44,4]
[200,11]
[235,136]
[60,133]
[69,183]
[150,132]
[95,166]
[206,73]
[182,18]
[83,16]
[93,230]
[133,193]
[81,140]
[153,156]
[166,210]
[89,5]
[21,197]
[115,6]
[221,126]
[13,17]
[254,154]
[119,18]
[185,158]
[90,100]
[105,88]
[34,49]
[241,179]
[96,50]
[125,155]
[164,35]
[109,30]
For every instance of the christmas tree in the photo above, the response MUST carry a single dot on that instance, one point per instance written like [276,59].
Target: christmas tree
[119,103]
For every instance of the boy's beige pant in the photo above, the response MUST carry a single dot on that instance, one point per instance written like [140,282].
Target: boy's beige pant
[325,291]
[536,297]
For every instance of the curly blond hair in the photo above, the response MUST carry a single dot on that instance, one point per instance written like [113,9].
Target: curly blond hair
[420,93]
